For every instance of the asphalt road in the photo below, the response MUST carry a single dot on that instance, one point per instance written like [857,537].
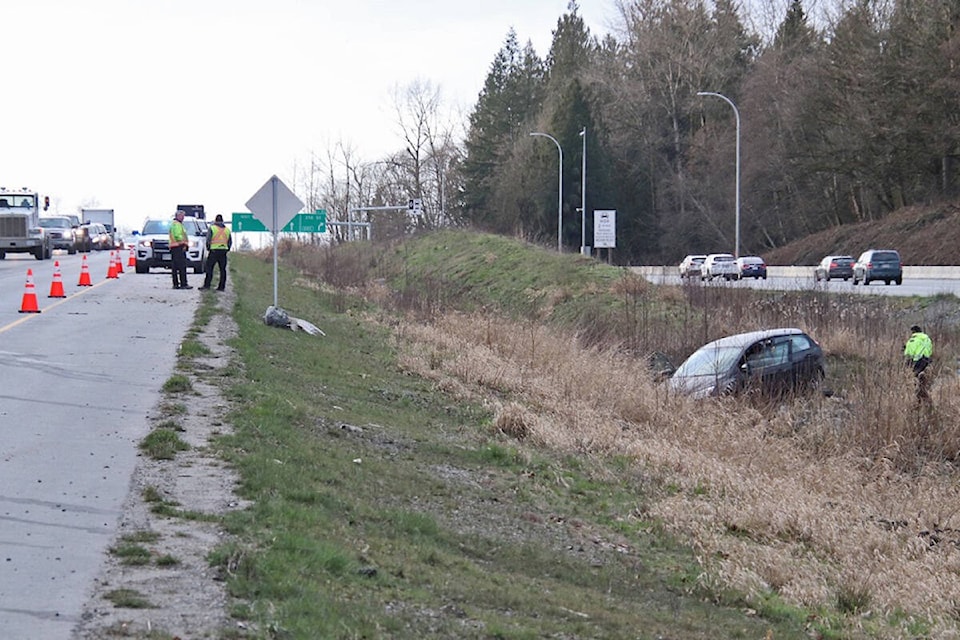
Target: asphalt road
[79,379]
[910,287]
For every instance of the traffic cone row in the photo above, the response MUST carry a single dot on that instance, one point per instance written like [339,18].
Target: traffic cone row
[29,302]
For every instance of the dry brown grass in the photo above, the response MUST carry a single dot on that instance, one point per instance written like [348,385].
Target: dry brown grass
[824,500]
[849,502]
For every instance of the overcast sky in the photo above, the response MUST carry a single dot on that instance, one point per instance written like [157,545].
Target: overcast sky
[139,106]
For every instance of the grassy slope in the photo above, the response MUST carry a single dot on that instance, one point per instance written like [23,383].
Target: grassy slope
[924,235]
[385,508]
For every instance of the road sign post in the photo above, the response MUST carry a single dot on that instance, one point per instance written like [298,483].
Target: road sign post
[274,205]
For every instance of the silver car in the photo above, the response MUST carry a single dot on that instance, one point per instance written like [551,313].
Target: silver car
[772,361]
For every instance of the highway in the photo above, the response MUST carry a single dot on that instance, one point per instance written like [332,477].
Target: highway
[786,279]
[79,380]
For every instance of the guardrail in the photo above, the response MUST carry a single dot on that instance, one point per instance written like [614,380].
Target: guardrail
[912,272]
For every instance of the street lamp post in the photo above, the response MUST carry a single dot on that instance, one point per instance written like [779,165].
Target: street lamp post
[736,252]
[559,190]
[583,194]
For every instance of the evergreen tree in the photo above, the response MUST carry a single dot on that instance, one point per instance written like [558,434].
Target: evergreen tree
[511,93]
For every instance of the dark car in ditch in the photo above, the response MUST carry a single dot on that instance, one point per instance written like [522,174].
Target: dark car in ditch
[771,362]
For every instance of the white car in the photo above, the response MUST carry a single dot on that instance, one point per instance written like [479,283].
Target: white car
[719,265]
[690,265]
[153,244]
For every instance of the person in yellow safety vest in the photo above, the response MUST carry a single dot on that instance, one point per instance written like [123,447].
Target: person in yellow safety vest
[918,351]
[219,242]
[178,251]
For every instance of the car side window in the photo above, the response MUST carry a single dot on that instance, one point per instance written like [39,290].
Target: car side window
[799,343]
[769,353]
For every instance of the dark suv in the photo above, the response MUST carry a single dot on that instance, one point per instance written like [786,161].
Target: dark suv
[878,264]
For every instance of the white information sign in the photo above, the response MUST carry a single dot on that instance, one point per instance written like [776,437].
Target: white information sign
[274,204]
[605,229]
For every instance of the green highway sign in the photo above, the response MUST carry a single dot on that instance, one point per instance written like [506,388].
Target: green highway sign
[242,222]
[308,223]
[301,223]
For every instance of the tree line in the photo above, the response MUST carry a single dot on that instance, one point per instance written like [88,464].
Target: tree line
[843,119]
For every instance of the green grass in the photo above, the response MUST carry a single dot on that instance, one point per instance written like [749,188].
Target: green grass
[178,383]
[128,599]
[420,523]
[163,444]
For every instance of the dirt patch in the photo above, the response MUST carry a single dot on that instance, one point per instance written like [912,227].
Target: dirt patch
[186,597]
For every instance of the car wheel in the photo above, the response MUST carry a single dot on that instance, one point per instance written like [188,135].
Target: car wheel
[886,282]
[141,268]
[899,281]
[71,251]
[827,278]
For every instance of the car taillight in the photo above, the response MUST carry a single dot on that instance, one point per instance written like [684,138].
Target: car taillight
[869,265]
[833,264]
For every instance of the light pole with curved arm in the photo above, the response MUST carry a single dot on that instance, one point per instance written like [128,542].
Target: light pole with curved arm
[559,190]
[736,252]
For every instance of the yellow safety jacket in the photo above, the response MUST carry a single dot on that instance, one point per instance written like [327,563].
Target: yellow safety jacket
[178,235]
[918,346]
[219,237]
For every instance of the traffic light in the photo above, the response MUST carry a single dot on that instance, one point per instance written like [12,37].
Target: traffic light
[46,202]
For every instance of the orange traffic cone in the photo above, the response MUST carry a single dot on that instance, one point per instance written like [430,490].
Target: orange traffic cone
[56,287]
[112,271]
[29,304]
[84,274]
[132,260]
[119,263]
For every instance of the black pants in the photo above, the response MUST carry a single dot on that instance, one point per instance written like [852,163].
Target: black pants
[178,256]
[216,257]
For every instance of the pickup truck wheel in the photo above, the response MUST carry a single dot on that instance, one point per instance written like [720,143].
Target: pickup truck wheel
[141,268]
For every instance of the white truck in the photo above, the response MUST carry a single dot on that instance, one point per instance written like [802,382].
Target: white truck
[20,230]
[104,217]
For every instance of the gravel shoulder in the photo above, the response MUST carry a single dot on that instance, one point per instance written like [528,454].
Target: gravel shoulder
[186,597]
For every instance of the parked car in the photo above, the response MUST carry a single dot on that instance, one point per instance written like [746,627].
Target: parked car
[772,361]
[61,233]
[751,267]
[834,267]
[98,236]
[719,265]
[690,265]
[878,264]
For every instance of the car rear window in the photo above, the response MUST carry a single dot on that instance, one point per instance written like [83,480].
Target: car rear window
[723,259]
[886,256]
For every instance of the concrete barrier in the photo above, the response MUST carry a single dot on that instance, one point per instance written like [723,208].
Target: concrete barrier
[909,272]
